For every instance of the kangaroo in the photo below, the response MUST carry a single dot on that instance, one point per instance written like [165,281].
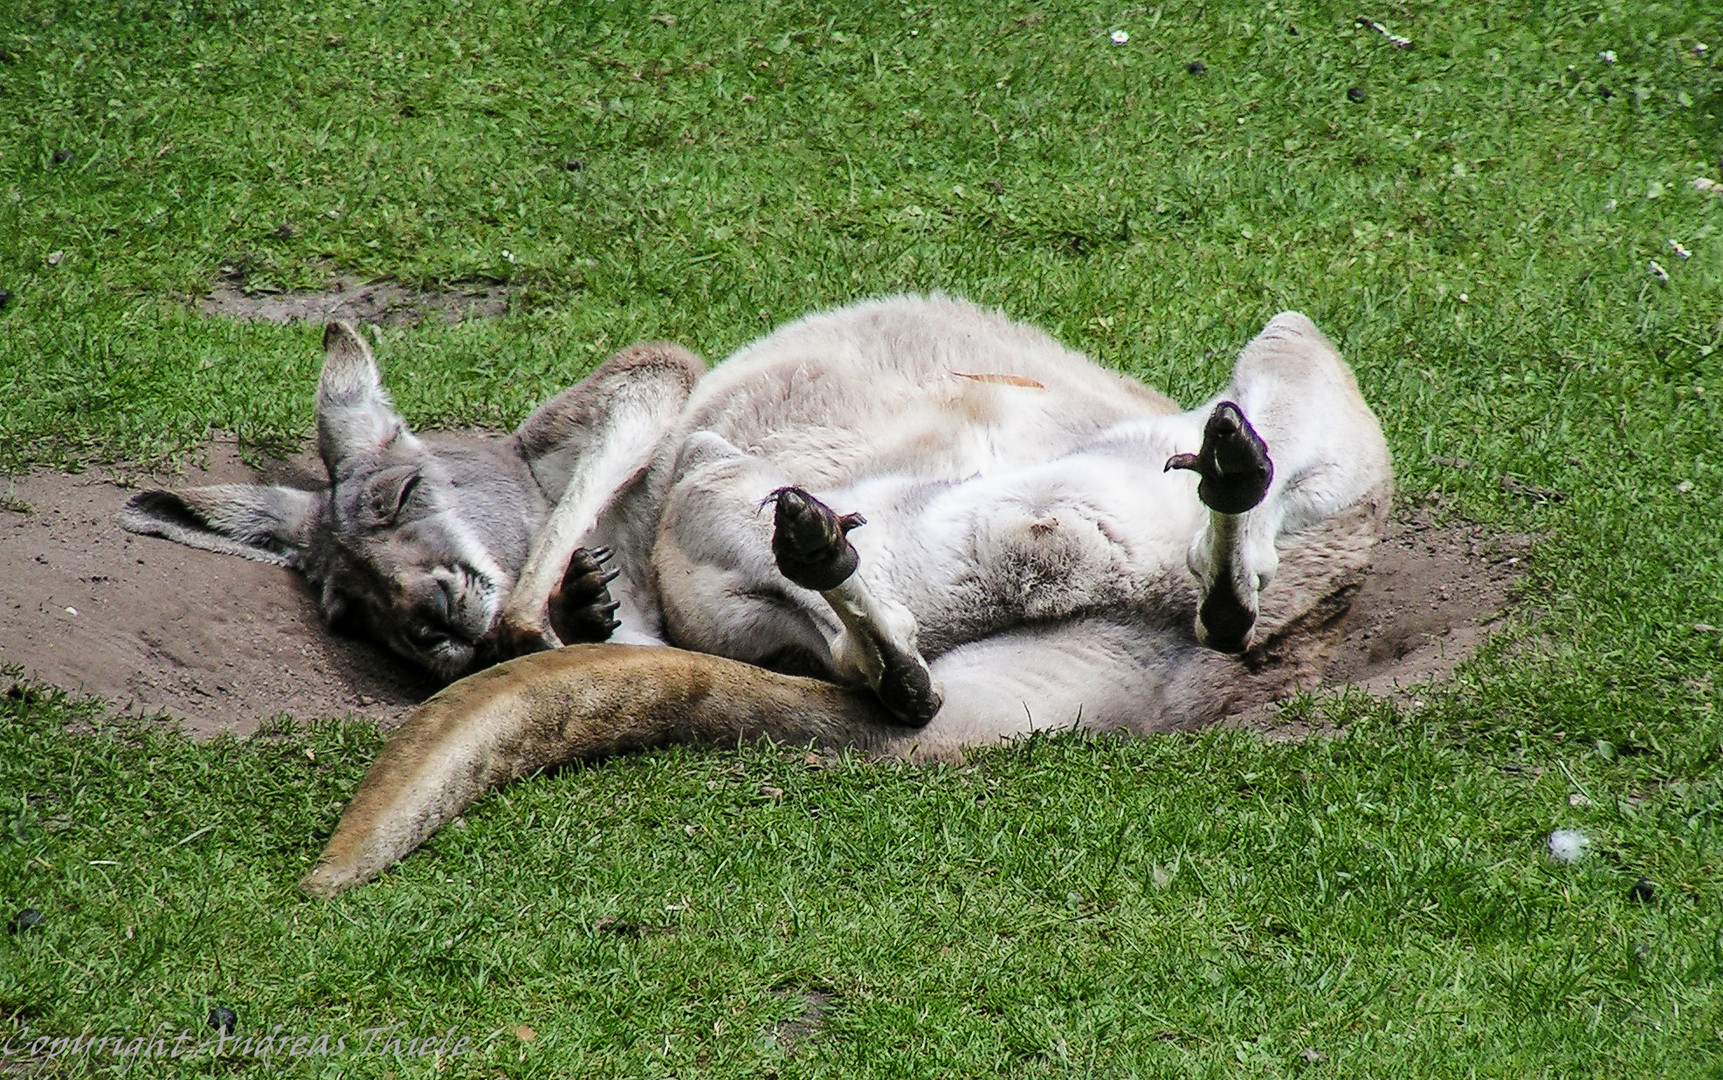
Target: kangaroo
[1046,544]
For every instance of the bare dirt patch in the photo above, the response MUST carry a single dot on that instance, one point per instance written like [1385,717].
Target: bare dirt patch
[221,644]
[386,303]
[793,1034]
[1432,596]
[218,643]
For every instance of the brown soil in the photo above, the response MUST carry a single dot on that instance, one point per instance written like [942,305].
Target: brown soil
[388,303]
[217,642]
[222,644]
[1431,598]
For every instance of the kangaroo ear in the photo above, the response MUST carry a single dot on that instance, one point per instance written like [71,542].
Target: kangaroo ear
[266,524]
[354,415]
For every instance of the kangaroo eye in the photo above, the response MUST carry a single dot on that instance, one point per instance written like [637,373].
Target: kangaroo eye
[427,637]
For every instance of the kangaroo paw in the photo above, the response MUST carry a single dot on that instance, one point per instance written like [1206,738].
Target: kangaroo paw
[581,609]
[809,540]
[1225,622]
[1233,463]
[906,689]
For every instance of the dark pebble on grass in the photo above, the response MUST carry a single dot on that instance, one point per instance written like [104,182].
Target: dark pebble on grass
[1643,891]
[5,298]
[574,165]
[62,156]
[223,1019]
[1197,67]
[1355,95]
[1605,93]
[28,919]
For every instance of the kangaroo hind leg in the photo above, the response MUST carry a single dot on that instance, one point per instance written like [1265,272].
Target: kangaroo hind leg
[1288,443]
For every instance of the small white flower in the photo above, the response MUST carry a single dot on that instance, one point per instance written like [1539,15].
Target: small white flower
[1464,299]
[1684,487]
[1568,845]
[1607,56]
[1120,37]
[1657,271]
[1700,48]
[1675,246]
[509,255]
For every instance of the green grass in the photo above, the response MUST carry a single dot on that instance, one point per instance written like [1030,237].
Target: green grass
[1168,907]
[1382,899]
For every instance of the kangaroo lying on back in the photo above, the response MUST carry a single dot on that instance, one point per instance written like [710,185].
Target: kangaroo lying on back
[1046,544]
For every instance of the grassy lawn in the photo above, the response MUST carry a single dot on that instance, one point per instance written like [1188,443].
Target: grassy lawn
[1477,232]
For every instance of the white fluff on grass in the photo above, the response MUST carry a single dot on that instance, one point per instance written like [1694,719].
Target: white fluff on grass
[1568,845]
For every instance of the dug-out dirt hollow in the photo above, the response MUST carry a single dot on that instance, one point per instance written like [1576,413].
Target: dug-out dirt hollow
[221,644]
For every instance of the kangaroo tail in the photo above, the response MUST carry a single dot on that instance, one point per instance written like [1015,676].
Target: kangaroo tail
[581,703]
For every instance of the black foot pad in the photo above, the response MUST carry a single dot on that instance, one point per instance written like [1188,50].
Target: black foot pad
[809,540]
[1233,463]
[581,610]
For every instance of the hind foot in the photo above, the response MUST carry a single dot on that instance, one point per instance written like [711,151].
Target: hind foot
[581,609]
[810,541]
[1233,463]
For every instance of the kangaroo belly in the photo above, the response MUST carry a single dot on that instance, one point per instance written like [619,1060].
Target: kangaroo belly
[1080,535]
[930,387]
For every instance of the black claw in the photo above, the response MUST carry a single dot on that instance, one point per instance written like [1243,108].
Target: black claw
[581,611]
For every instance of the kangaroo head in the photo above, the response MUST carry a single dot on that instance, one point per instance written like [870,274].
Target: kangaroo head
[414,546]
